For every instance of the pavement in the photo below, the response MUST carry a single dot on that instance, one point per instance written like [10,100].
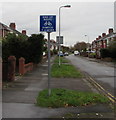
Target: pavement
[19,97]
[111,64]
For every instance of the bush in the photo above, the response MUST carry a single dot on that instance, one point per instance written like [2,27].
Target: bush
[92,55]
[21,46]
[112,49]
[105,52]
[13,45]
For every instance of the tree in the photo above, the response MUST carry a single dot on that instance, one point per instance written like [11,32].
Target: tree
[35,51]
[65,49]
[80,46]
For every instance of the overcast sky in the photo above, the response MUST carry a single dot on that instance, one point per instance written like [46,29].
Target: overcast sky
[83,18]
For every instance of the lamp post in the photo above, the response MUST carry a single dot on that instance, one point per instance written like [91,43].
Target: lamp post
[88,37]
[66,6]
[88,40]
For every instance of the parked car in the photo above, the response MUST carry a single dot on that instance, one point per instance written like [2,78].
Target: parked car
[66,54]
[60,53]
[90,51]
[76,53]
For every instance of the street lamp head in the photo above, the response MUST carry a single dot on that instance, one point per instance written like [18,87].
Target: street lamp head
[67,6]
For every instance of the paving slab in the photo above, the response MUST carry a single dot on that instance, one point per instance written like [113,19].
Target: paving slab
[19,110]
[70,83]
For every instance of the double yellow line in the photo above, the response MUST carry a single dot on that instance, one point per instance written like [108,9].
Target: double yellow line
[109,95]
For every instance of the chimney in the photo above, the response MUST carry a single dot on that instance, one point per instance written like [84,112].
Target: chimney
[97,39]
[99,36]
[12,26]
[103,34]
[110,30]
[24,32]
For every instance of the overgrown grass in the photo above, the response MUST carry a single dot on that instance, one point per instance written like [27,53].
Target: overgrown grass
[64,98]
[64,70]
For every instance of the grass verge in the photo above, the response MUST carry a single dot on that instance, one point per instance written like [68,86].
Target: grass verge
[64,70]
[62,60]
[64,98]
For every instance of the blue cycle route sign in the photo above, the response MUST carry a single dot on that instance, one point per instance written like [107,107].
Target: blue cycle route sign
[47,23]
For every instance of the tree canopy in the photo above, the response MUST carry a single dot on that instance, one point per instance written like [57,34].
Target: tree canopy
[80,46]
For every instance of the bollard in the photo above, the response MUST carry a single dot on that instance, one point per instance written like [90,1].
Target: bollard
[21,66]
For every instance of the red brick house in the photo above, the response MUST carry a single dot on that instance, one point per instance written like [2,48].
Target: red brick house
[102,41]
[4,30]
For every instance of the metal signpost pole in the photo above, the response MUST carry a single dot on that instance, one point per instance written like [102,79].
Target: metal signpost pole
[59,35]
[49,67]
[48,24]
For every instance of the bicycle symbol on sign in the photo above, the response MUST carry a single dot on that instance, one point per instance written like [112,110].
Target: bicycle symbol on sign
[47,23]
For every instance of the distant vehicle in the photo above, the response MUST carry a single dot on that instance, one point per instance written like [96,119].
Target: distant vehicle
[66,54]
[60,53]
[90,51]
[76,53]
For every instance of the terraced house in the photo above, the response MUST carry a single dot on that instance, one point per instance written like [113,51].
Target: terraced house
[4,30]
[102,41]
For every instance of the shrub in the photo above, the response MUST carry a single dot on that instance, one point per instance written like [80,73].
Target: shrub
[105,52]
[112,49]
[92,55]
[21,46]
[13,45]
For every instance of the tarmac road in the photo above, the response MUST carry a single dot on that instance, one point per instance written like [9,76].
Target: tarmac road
[103,74]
